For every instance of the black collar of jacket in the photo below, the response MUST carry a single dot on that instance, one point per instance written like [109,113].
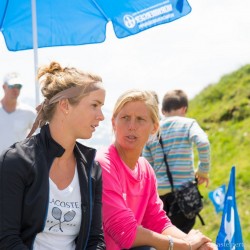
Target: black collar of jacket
[54,149]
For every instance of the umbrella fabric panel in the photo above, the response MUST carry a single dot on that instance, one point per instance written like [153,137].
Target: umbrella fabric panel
[3,4]
[130,17]
[74,23]
[16,23]
[59,23]
[77,22]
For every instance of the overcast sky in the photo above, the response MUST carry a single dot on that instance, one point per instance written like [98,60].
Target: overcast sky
[189,53]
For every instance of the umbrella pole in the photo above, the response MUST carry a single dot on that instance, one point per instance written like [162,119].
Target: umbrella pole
[35,48]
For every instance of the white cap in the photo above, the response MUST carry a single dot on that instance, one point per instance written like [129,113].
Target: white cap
[12,79]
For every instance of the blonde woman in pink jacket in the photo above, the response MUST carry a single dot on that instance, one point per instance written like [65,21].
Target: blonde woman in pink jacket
[133,215]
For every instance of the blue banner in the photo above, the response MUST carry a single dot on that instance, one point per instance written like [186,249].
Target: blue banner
[230,236]
[217,196]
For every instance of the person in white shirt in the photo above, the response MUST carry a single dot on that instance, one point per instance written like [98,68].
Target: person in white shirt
[16,118]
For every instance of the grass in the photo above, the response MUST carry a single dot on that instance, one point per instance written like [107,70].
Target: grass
[223,110]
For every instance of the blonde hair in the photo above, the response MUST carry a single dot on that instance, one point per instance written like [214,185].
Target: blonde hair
[54,79]
[134,95]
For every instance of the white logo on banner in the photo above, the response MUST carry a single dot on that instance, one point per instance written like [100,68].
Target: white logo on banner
[219,196]
[149,16]
[129,21]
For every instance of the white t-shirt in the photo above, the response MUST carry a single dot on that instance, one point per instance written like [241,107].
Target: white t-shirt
[16,125]
[63,219]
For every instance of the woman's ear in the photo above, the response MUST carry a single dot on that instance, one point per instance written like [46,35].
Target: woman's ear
[64,106]
[155,128]
[113,123]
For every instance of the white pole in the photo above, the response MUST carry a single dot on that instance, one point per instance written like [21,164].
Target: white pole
[35,48]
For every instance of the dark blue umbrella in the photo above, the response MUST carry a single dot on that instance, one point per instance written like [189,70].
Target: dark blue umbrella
[76,22]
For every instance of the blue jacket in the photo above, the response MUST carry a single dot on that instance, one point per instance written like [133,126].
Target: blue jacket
[24,192]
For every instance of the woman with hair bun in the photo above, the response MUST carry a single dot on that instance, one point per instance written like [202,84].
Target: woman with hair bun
[50,185]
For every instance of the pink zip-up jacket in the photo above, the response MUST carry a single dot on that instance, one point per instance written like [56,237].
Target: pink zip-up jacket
[130,199]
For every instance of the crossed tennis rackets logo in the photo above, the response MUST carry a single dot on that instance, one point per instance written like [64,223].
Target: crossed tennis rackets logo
[57,214]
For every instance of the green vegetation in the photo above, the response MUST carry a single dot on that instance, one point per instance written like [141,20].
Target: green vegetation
[223,111]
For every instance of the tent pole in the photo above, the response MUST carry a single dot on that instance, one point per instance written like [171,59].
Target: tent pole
[35,48]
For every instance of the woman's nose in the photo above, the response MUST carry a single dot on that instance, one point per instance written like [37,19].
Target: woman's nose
[100,116]
[132,125]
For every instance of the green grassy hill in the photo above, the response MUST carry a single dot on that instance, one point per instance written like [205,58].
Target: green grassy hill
[223,111]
